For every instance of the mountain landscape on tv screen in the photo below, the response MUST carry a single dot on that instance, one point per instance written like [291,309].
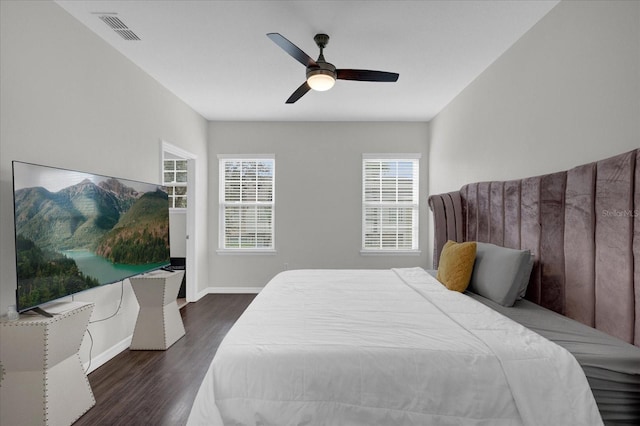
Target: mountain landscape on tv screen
[106,220]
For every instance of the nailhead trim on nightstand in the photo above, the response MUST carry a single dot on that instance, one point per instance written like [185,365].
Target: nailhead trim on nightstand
[46,325]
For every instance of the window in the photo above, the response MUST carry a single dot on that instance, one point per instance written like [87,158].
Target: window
[247,203]
[390,203]
[175,180]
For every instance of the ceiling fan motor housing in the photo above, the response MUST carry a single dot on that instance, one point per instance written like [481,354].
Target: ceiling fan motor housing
[322,68]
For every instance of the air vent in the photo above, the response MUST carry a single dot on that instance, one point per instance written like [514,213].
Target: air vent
[114,22]
[118,26]
[128,35]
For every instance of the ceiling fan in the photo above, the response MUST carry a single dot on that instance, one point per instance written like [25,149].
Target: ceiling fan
[321,75]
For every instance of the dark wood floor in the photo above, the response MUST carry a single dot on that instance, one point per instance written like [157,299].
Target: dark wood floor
[158,387]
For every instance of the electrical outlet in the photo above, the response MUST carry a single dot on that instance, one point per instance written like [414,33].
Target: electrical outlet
[286,266]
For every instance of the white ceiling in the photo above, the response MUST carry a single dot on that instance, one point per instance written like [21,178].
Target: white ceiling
[215,56]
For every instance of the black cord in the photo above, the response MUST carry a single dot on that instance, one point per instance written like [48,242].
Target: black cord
[90,349]
[117,309]
[103,319]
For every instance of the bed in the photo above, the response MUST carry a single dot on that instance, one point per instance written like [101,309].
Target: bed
[611,366]
[385,347]
[394,347]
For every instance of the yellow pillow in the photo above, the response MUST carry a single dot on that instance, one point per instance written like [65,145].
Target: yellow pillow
[456,265]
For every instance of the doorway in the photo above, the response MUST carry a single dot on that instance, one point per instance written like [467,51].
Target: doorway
[182,219]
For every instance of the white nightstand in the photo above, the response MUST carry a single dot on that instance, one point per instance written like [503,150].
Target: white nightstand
[43,382]
[159,324]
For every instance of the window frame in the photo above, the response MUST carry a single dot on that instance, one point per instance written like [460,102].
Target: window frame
[414,158]
[222,203]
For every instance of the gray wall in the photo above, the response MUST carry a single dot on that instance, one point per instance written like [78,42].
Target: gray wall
[567,93]
[318,194]
[70,100]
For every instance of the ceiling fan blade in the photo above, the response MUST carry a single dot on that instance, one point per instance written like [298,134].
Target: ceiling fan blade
[300,92]
[367,75]
[292,49]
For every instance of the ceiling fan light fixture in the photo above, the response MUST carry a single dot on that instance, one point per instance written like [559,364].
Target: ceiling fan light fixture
[321,80]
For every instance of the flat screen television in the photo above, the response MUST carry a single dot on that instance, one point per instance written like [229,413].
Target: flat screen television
[75,231]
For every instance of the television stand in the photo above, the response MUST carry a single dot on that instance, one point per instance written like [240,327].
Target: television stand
[159,324]
[44,382]
[39,310]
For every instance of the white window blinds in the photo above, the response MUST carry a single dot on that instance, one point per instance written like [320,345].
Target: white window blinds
[247,203]
[390,203]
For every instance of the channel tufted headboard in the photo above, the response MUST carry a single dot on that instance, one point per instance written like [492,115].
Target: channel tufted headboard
[583,227]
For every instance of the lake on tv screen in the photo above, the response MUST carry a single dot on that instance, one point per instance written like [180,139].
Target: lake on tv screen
[105,271]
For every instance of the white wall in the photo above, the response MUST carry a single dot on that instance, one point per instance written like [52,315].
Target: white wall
[318,194]
[567,93]
[70,100]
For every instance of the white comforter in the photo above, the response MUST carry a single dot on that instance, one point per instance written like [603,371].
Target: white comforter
[385,347]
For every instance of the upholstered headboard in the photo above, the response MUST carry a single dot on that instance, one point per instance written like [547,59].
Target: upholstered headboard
[583,227]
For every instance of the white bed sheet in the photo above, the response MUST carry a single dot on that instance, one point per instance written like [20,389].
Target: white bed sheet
[385,347]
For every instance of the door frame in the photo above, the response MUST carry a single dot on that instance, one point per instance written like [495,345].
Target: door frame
[191,267]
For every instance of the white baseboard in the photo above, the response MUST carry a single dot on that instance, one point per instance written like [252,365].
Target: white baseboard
[105,356]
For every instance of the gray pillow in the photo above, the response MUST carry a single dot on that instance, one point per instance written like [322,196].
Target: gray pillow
[501,274]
